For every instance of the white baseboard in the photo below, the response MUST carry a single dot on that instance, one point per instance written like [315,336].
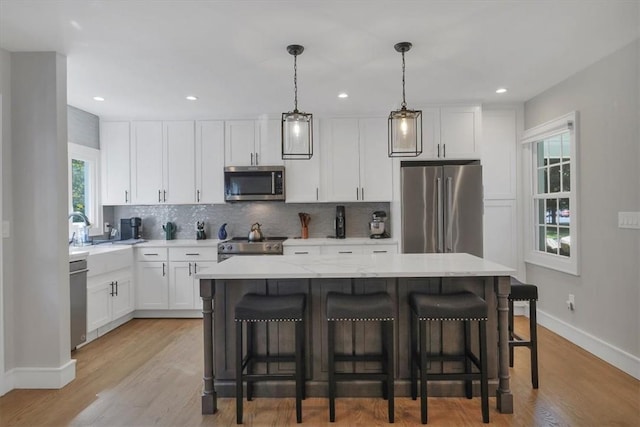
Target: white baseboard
[37,378]
[175,314]
[619,358]
[6,383]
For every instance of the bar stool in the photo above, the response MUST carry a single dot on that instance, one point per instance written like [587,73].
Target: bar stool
[254,308]
[524,292]
[376,307]
[461,306]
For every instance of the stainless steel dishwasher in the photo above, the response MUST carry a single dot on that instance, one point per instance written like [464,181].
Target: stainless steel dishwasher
[78,292]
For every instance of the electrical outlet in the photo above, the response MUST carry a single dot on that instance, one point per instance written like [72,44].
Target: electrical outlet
[628,219]
[571,302]
[106,228]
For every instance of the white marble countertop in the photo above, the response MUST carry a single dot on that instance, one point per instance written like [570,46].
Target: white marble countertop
[177,243]
[327,241]
[77,253]
[354,266]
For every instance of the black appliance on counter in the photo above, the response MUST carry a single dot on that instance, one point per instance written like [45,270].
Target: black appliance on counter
[130,228]
[341,223]
[239,246]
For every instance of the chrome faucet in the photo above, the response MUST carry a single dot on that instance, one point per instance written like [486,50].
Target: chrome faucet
[81,215]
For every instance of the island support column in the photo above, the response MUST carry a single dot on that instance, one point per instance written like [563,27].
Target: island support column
[209,396]
[502,287]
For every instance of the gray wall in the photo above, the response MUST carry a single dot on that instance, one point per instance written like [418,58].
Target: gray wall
[277,219]
[6,288]
[84,128]
[607,292]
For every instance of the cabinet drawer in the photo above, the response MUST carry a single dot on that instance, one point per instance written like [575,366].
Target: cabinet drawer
[301,250]
[341,249]
[194,254]
[100,263]
[151,254]
[381,249]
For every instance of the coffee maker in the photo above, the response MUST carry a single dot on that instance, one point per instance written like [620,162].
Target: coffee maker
[377,227]
[130,228]
[341,223]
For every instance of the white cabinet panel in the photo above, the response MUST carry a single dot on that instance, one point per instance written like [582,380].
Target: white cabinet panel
[178,162]
[499,145]
[109,297]
[239,142]
[459,132]
[209,162]
[430,134]
[269,152]
[500,231]
[181,291]
[146,163]
[341,159]
[123,301]
[98,304]
[115,152]
[152,286]
[375,164]
[302,177]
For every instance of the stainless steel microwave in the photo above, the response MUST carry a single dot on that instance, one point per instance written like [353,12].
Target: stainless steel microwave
[243,183]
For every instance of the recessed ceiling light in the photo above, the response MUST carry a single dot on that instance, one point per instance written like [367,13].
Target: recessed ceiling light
[192,98]
[501,90]
[98,98]
[343,95]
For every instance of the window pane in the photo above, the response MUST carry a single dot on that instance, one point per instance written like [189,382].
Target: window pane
[565,241]
[540,208]
[566,151]
[566,177]
[552,211]
[554,150]
[554,179]
[540,153]
[564,213]
[542,180]
[552,240]
[541,239]
[78,189]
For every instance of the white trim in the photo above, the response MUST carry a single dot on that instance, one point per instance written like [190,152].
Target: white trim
[43,378]
[550,128]
[5,385]
[619,358]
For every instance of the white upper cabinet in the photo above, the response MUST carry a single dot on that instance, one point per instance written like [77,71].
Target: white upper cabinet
[302,177]
[430,134]
[357,166]
[209,162]
[460,132]
[114,148]
[179,161]
[252,143]
[146,163]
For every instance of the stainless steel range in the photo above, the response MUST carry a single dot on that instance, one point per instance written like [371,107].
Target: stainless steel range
[239,246]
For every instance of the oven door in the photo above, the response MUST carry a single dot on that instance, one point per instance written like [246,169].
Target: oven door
[254,183]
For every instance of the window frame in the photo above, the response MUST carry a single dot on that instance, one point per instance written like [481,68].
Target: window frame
[567,264]
[92,157]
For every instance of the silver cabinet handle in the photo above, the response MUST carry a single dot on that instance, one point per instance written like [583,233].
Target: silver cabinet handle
[345,252]
[164,192]
[444,150]
[197,195]
[150,254]
[163,272]
[362,193]
[195,268]
[357,194]
[111,284]
[379,252]
[438,150]
[251,159]
[126,196]
[317,196]
[116,288]
[189,269]
[301,253]
[257,161]
[192,254]
[159,196]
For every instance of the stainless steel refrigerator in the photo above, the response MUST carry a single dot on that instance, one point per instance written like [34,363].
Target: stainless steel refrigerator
[442,208]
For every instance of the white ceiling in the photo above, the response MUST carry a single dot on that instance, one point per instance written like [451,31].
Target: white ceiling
[145,56]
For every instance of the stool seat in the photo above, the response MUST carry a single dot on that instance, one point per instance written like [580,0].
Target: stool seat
[456,306]
[522,291]
[369,307]
[270,308]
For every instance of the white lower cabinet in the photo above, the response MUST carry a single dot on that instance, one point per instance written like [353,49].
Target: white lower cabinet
[184,289]
[332,249]
[301,250]
[152,287]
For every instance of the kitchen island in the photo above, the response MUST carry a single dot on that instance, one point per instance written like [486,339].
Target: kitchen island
[315,276]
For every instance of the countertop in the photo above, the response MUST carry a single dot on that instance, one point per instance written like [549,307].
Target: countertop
[77,253]
[354,266]
[327,241]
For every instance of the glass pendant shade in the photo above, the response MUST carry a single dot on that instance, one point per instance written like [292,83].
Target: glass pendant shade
[297,136]
[405,133]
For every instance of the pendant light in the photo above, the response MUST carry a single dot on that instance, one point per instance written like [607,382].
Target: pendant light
[297,126]
[405,126]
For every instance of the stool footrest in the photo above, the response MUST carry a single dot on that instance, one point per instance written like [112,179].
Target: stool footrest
[460,376]
[265,377]
[521,343]
[359,358]
[344,376]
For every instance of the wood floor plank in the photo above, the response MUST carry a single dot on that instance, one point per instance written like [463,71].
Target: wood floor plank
[149,373]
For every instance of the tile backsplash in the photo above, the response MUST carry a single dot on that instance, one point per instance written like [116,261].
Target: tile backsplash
[276,219]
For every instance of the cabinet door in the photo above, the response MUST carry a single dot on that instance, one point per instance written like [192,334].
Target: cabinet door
[376,183]
[115,153]
[341,159]
[210,162]
[430,134]
[460,132]
[239,143]
[98,304]
[270,144]
[179,162]
[152,289]
[123,301]
[181,285]
[146,163]
[302,177]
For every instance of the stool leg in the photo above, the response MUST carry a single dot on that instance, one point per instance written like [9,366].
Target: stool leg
[299,369]
[238,372]
[413,332]
[484,386]
[250,363]
[510,332]
[468,384]
[332,367]
[423,371]
[384,333]
[303,348]
[533,337]
[388,327]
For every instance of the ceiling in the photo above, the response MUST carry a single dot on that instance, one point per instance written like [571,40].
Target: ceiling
[145,56]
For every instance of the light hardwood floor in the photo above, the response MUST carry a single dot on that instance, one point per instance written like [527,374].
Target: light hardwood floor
[148,373]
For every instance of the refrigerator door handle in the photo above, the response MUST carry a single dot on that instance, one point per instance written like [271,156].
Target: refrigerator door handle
[440,236]
[449,238]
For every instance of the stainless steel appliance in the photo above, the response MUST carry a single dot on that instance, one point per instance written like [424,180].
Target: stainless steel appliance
[239,246]
[341,223]
[130,228]
[442,207]
[78,301]
[377,225]
[253,183]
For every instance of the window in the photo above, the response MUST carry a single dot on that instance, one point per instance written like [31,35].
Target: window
[84,188]
[552,212]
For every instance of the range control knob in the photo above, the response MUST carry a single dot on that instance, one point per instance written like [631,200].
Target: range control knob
[229,247]
[276,247]
[267,247]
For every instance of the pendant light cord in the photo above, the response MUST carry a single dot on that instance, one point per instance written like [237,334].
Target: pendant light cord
[404,102]
[295,83]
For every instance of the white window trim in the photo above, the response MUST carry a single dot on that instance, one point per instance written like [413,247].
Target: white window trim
[569,264]
[92,156]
